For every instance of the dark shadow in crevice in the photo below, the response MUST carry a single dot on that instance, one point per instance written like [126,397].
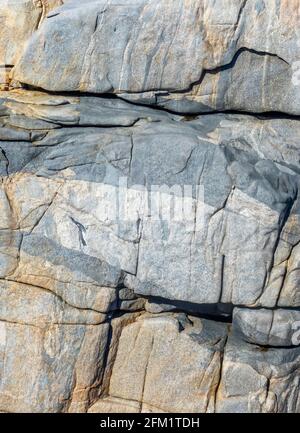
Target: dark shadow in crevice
[219,312]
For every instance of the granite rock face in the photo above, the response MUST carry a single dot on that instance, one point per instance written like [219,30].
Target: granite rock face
[187,55]
[19,20]
[149,258]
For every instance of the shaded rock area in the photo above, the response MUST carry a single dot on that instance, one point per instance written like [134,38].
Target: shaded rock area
[150,208]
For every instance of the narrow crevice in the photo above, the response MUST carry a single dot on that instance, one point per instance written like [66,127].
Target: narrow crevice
[266,347]
[229,65]
[222,273]
[222,355]
[99,126]
[220,312]
[262,115]
[5,159]
[212,71]
[242,8]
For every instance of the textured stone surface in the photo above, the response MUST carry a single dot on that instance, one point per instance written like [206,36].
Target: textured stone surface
[238,244]
[149,258]
[145,350]
[210,372]
[267,327]
[259,379]
[194,55]
[57,366]
[67,268]
[19,20]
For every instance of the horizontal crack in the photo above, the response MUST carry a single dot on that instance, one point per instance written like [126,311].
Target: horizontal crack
[217,69]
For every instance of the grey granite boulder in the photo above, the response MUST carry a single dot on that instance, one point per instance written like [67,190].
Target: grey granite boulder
[130,237]
[19,20]
[258,379]
[145,349]
[185,56]
[186,211]
[212,370]
[278,327]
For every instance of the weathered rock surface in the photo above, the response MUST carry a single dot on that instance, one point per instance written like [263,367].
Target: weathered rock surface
[268,327]
[149,260]
[19,20]
[70,263]
[209,372]
[235,243]
[195,55]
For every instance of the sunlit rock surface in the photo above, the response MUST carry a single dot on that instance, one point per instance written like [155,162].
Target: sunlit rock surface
[185,55]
